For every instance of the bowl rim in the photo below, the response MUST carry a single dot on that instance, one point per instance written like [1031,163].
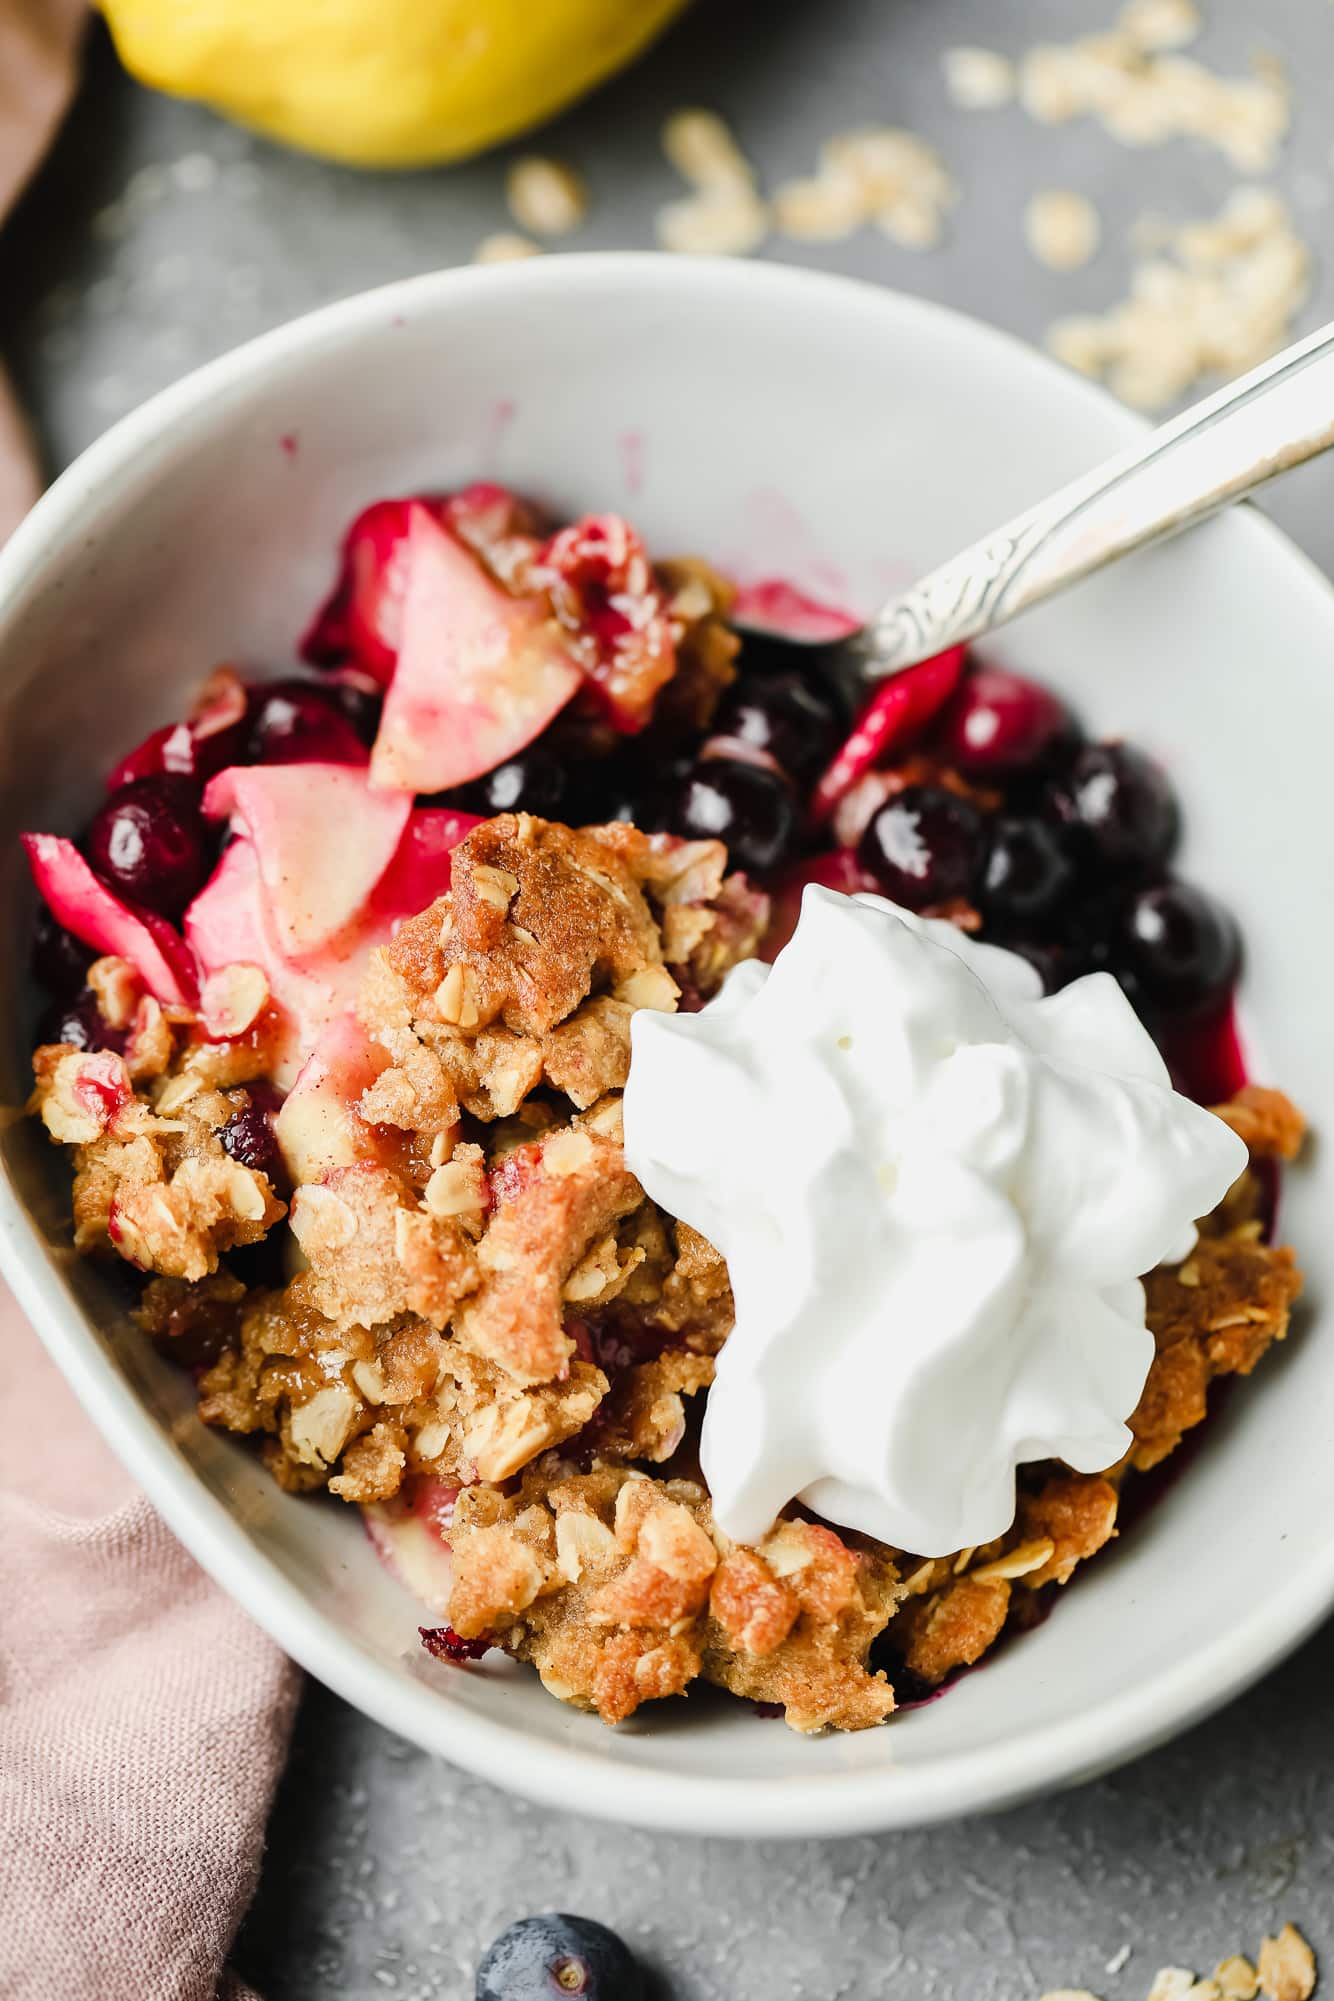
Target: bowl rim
[568,1777]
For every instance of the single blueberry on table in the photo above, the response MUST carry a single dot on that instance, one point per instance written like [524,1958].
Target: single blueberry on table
[543,1958]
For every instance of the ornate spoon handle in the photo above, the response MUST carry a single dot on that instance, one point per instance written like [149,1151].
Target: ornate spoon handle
[1279,415]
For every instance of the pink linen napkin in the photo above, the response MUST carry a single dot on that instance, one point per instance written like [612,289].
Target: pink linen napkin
[143,1718]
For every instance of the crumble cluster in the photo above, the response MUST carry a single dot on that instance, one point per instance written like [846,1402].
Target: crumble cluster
[493,1322]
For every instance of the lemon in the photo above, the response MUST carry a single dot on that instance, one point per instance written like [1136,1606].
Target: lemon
[383,83]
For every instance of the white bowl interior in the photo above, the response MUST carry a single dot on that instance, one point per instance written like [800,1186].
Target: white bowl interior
[782,425]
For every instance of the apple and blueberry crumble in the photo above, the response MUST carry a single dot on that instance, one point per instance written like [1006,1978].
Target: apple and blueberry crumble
[342,975]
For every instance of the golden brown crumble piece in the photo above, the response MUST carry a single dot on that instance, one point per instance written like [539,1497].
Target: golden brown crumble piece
[1214,1315]
[538,915]
[551,1200]
[155,1183]
[612,1584]
[1267,1120]
[425,1404]
[376,1248]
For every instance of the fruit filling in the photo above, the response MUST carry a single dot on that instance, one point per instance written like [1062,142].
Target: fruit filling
[344,965]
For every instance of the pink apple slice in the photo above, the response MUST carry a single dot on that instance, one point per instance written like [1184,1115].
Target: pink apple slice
[228,924]
[318,1127]
[897,712]
[322,839]
[480,673]
[81,901]
[419,872]
[362,619]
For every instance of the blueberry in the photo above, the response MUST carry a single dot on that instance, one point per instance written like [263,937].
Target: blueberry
[541,1959]
[998,725]
[1028,873]
[1119,807]
[358,705]
[1057,964]
[787,716]
[751,810]
[60,961]
[1178,949]
[249,1136]
[924,847]
[303,722]
[81,1023]
[150,843]
[532,782]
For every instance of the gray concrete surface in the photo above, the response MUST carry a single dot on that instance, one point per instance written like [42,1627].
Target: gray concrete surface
[156,238]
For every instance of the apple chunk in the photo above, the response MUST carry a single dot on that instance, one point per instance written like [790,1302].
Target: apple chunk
[229,924]
[480,672]
[322,839]
[81,901]
[318,1127]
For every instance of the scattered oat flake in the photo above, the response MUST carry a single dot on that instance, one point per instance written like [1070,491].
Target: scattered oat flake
[1063,228]
[726,215]
[979,79]
[506,247]
[1237,1979]
[701,147]
[546,197]
[721,222]
[1286,1967]
[1160,24]
[1218,299]
[1119,1958]
[1133,80]
[874,174]
[1171,1983]
[1068,1994]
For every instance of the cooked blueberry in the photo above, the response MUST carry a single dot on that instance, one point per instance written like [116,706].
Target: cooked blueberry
[924,847]
[541,1959]
[249,1137]
[1120,807]
[752,810]
[150,843]
[787,716]
[532,782]
[1027,874]
[1179,948]
[60,961]
[302,722]
[358,705]
[1000,725]
[80,1022]
[1058,964]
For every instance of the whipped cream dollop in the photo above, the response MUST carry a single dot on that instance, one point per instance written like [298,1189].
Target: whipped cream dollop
[936,1191]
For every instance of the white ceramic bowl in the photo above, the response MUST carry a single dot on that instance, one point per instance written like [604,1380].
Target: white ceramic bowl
[783,424]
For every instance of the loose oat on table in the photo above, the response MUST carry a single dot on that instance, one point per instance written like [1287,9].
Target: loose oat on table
[1286,1967]
[725,216]
[1132,80]
[875,174]
[979,79]
[1062,228]
[505,247]
[1217,298]
[546,197]
[1286,1972]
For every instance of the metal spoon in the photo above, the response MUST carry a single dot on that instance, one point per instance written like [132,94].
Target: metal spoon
[1219,450]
